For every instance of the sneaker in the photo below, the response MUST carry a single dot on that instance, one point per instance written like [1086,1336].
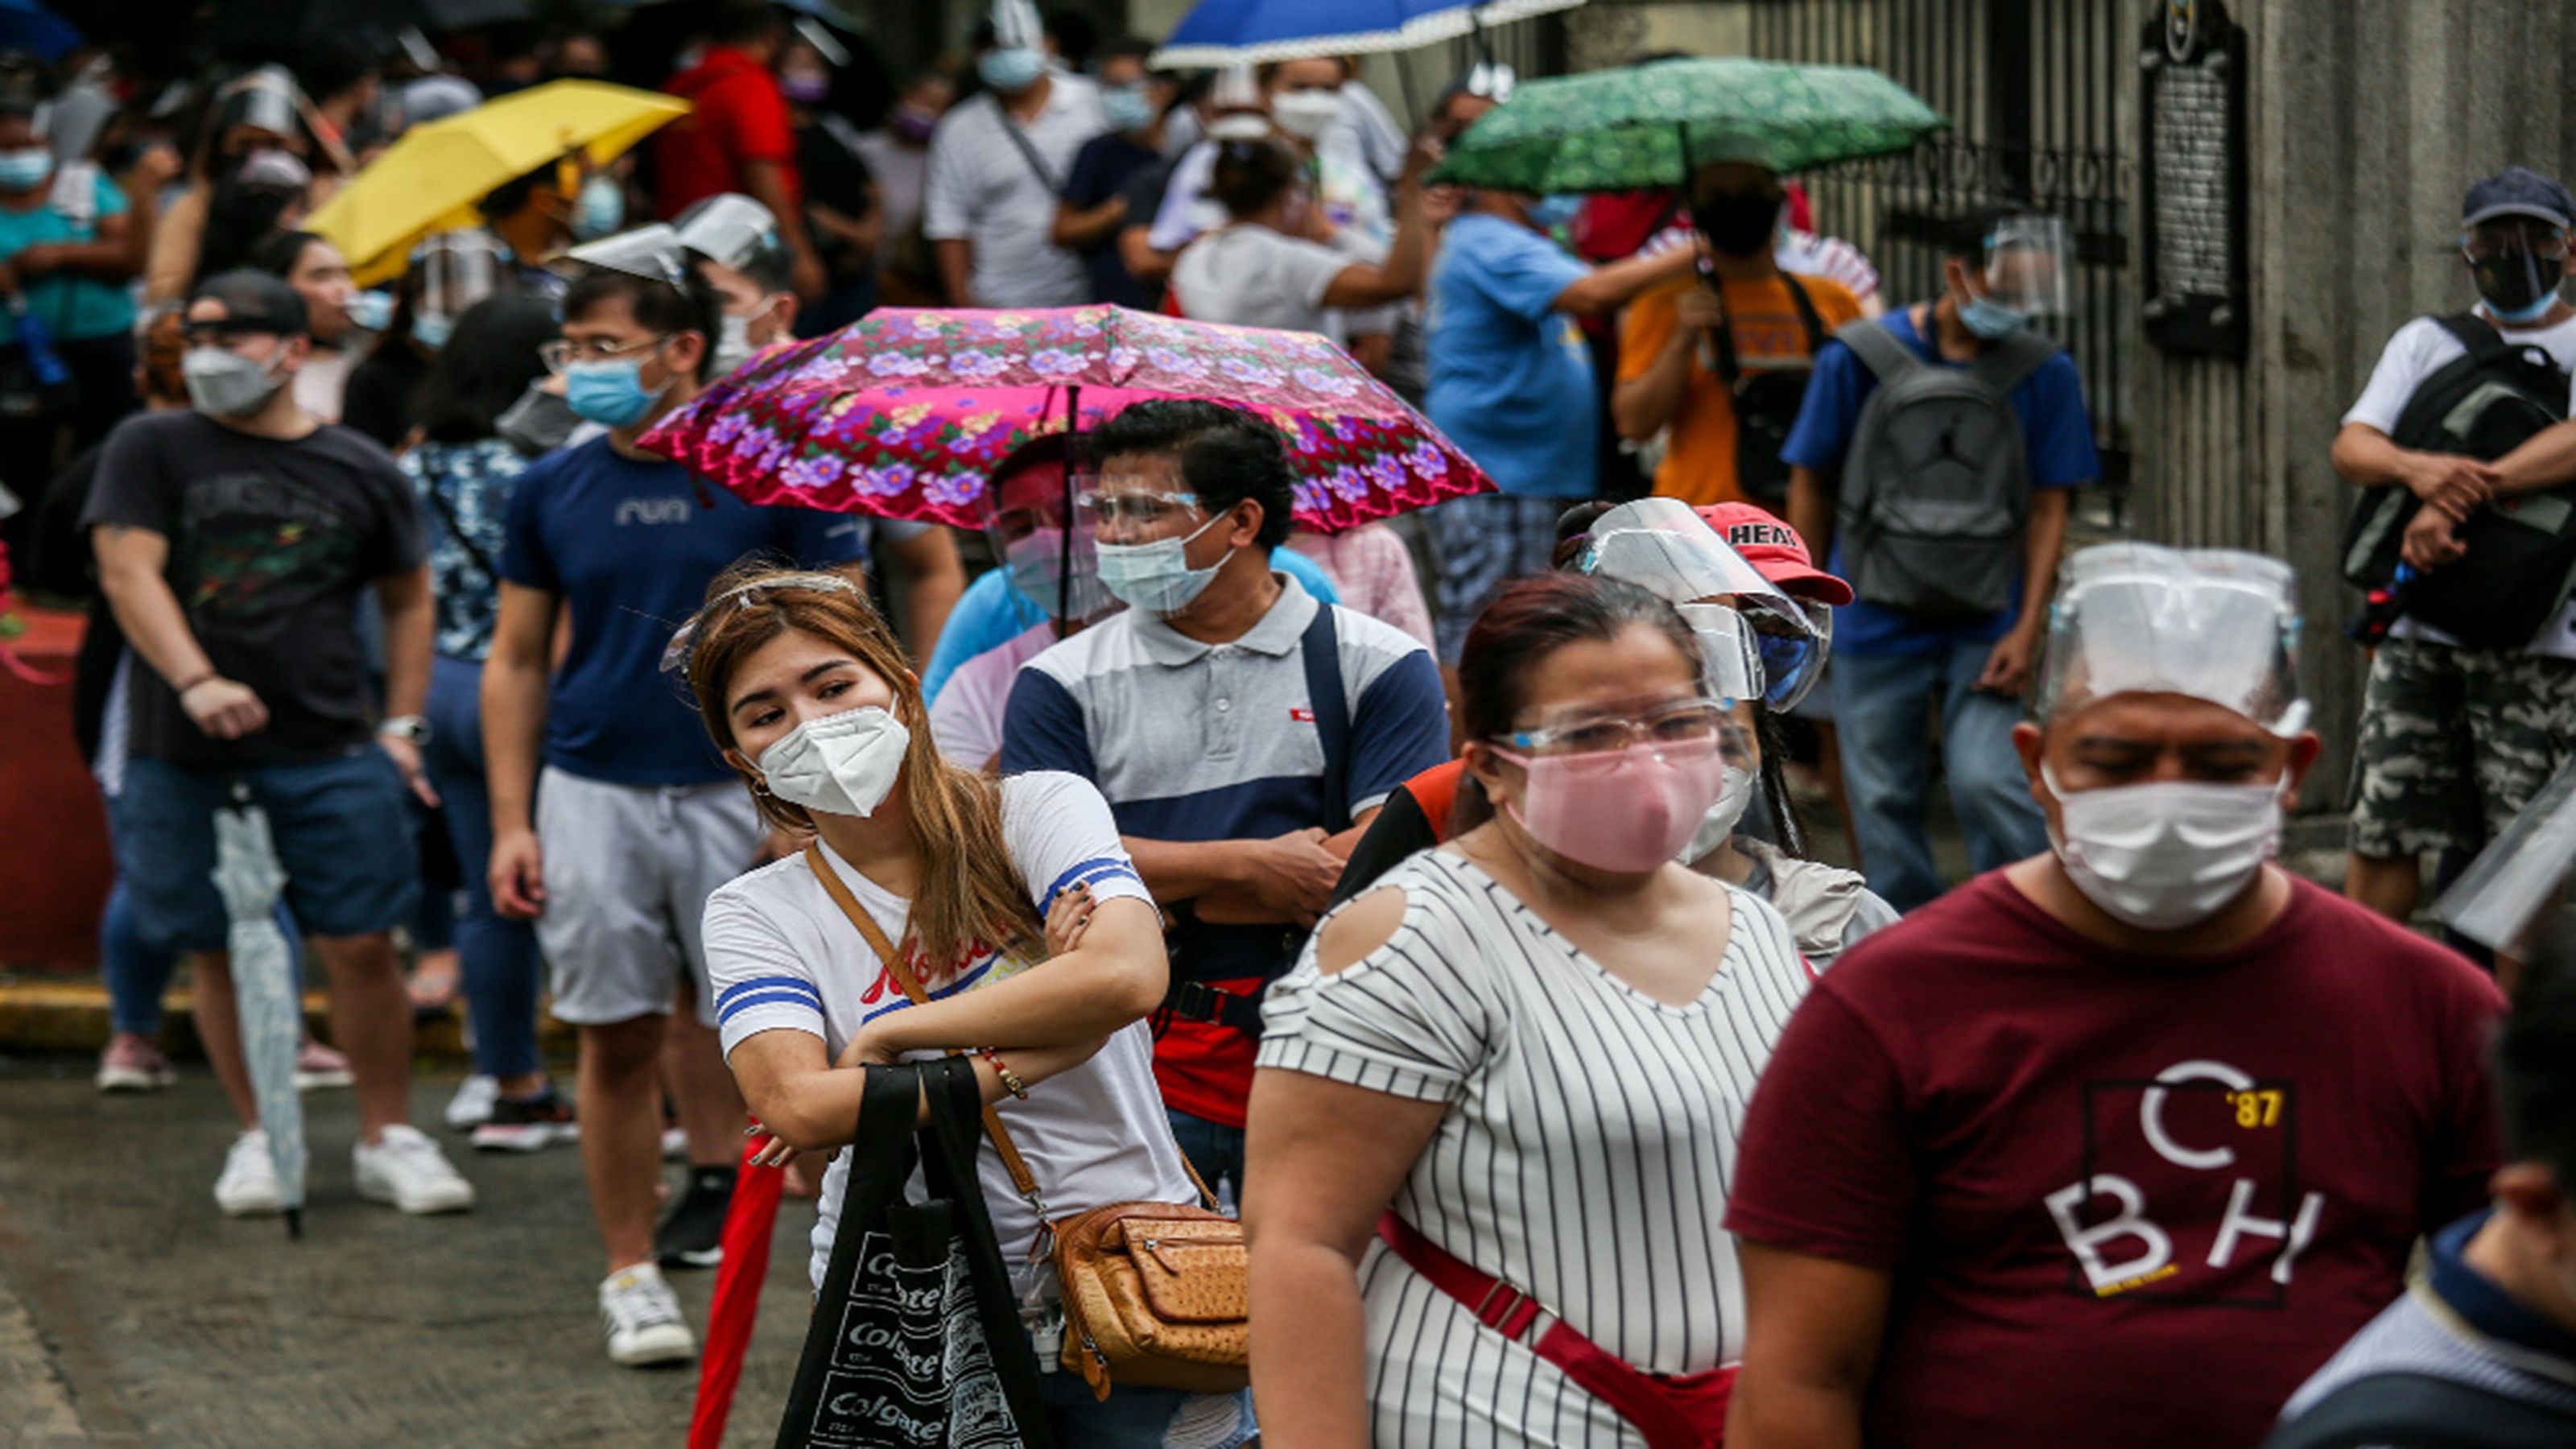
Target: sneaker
[471,1107]
[318,1067]
[692,1235]
[133,1064]
[527,1124]
[642,1319]
[248,1187]
[407,1170]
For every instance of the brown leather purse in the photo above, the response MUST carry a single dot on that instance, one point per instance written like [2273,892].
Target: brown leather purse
[1155,1293]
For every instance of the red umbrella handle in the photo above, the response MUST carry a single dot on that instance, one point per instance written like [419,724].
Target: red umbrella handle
[749,1224]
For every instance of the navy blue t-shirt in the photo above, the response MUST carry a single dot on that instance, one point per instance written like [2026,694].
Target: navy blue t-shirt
[630,547]
[1102,169]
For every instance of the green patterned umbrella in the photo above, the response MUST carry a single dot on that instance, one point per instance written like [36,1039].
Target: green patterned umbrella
[1627,129]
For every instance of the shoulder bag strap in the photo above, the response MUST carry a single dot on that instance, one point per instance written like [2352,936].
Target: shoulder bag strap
[1027,148]
[1808,317]
[1879,350]
[2004,365]
[456,528]
[1322,652]
[896,967]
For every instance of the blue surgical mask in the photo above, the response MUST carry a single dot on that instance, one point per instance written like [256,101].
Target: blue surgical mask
[370,311]
[1011,69]
[2519,316]
[431,329]
[1990,319]
[26,168]
[1550,212]
[612,393]
[1129,108]
[601,210]
[1156,576]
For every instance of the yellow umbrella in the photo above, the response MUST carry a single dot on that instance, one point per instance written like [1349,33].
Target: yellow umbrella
[431,179]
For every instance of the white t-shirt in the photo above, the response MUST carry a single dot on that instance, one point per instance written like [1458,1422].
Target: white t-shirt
[782,957]
[966,719]
[2420,349]
[1251,276]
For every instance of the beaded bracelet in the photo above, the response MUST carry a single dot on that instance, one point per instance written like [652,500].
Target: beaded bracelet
[1001,1069]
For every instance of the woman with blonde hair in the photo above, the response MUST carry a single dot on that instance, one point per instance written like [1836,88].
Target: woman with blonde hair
[806,690]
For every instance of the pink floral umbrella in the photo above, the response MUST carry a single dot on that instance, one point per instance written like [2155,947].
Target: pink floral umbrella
[904,413]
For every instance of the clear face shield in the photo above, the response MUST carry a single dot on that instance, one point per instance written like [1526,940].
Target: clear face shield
[653,252]
[2027,259]
[455,270]
[729,229]
[2520,874]
[2209,624]
[1730,652]
[1047,546]
[264,99]
[1661,545]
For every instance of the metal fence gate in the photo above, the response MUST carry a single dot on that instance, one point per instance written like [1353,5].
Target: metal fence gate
[2038,97]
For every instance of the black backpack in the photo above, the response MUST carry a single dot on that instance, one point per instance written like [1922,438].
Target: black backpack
[2522,551]
[1766,402]
[1936,484]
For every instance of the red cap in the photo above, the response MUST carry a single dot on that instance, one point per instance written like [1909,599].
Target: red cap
[1775,548]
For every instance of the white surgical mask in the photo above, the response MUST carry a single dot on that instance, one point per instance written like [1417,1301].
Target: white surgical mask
[1305,114]
[733,346]
[1718,824]
[227,384]
[840,764]
[1156,576]
[2168,854]
[1037,561]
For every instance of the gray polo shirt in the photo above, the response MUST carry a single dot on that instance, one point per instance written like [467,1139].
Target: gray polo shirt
[982,189]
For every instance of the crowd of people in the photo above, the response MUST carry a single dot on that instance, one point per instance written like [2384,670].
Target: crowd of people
[1436,895]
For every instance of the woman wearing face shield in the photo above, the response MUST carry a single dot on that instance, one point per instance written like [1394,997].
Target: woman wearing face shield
[1533,1042]
[450,271]
[2132,1101]
[1761,652]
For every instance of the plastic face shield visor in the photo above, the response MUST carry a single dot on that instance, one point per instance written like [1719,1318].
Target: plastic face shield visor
[456,269]
[1662,546]
[2027,258]
[2208,624]
[729,229]
[655,253]
[1730,652]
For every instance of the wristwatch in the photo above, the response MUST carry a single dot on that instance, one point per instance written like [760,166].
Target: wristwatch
[405,727]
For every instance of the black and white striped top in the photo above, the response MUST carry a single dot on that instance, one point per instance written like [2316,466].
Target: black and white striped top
[1586,1157]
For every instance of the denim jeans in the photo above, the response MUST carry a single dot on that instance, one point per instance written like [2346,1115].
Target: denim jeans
[1215,1150]
[496,956]
[1882,707]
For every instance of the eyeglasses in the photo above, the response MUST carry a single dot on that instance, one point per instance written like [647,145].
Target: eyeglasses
[1142,510]
[1688,729]
[684,640]
[563,351]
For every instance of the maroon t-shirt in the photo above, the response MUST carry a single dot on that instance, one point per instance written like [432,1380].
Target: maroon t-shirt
[2127,1201]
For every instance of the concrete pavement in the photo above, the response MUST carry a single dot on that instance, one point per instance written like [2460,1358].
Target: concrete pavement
[133,1313]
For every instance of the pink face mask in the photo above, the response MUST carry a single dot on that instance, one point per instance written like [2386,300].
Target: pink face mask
[1631,815]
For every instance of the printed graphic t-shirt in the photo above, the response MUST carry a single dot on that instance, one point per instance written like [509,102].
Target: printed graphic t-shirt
[2126,1201]
[270,544]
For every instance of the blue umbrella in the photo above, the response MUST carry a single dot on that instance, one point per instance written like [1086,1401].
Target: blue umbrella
[271,1018]
[1248,32]
[29,26]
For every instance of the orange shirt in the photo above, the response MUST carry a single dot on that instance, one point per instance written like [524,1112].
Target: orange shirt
[1699,459]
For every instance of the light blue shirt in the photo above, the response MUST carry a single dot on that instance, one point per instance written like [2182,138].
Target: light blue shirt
[1511,381]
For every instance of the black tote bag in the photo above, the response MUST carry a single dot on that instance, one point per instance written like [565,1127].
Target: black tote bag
[916,1337]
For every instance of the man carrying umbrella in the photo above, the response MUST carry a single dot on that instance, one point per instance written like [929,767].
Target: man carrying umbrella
[1241,731]
[233,541]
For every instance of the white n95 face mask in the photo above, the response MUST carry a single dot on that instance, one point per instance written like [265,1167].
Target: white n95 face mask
[841,764]
[1733,796]
[2169,854]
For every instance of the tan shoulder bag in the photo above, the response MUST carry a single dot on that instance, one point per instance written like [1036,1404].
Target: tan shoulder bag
[1155,1293]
